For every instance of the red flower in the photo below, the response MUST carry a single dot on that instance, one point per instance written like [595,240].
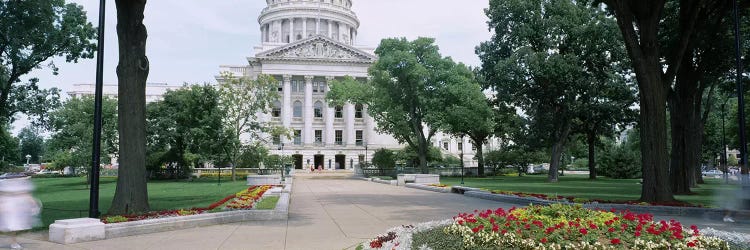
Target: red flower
[615,241]
[611,229]
[544,240]
[376,244]
[583,231]
[691,244]
[637,233]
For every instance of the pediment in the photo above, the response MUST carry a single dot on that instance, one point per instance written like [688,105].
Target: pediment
[318,48]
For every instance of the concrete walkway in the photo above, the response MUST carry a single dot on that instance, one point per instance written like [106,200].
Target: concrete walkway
[326,212]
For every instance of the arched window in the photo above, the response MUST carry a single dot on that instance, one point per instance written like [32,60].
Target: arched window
[276,109]
[358,111]
[318,110]
[297,109]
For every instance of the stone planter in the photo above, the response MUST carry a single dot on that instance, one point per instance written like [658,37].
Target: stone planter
[255,180]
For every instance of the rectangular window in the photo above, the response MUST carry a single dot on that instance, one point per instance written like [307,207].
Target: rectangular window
[315,87]
[339,137]
[276,112]
[281,86]
[473,148]
[445,145]
[298,137]
[318,136]
[322,87]
[461,146]
[359,137]
[339,112]
[276,140]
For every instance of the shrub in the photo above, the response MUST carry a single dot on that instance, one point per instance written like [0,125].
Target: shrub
[384,158]
[620,163]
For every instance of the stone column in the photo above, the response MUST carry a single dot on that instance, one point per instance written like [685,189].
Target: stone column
[304,28]
[307,133]
[342,32]
[349,138]
[330,29]
[291,30]
[330,136]
[286,110]
[369,127]
[317,27]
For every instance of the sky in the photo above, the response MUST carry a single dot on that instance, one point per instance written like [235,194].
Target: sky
[189,39]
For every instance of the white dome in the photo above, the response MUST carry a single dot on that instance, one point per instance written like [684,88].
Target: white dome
[286,21]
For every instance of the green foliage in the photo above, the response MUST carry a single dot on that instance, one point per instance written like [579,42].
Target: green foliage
[620,162]
[72,130]
[546,58]
[408,155]
[732,160]
[276,161]
[34,31]
[515,156]
[241,100]
[185,130]
[8,149]
[404,97]
[436,239]
[451,160]
[384,158]
[32,144]
[252,156]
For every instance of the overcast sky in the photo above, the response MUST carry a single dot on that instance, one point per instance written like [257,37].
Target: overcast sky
[189,39]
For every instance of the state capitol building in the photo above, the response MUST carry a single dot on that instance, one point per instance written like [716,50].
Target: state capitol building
[306,44]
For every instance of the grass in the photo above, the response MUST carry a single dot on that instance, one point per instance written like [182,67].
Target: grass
[65,198]
[267,203]
[580,186]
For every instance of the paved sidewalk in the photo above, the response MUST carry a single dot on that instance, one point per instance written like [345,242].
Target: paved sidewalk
[325,213]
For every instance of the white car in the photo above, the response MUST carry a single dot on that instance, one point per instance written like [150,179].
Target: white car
[714,172]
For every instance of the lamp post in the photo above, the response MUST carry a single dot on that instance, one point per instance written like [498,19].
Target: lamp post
[28,157]
[96,145]
[283,166]
[740,95]
[461,153]
[365,154]
[723,158]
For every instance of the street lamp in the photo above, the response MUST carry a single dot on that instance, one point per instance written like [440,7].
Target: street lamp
[96,145]
[461,153]
[283,167]
[28,157]
[365,154]
[723,158]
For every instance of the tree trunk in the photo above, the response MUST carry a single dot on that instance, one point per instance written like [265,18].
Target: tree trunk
[591,139]
[480,158]
[554,165]
[678,165]
[643,48]
[131,195]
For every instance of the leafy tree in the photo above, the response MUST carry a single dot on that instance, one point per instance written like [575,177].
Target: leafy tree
[8,148]
[31,32]
[619,162]
[131,193]
[185,129]
[468,113]
[252,155]
[402,96]
[545,59]
[732,160]
[242,100]
[32,143]
[384,158]
[517,156]
[657,61]
[410,157]
[71,127]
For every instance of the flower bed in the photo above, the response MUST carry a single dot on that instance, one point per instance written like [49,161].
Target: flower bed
[438,185]
[572,227]
[241,200]
[572,199]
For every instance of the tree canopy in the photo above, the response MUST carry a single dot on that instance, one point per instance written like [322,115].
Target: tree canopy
[32,32]
[403,96]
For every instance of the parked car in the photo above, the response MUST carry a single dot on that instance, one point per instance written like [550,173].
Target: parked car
[714,172]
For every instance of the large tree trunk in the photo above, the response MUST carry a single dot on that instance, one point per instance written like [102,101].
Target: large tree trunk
[131,195]
[642,44]
[678,167]
[480,158]
[561,137]
[591,139]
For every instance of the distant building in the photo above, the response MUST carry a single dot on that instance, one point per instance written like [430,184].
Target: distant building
[154,91]
[305,45]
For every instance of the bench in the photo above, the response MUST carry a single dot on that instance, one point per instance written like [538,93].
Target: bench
[418,179]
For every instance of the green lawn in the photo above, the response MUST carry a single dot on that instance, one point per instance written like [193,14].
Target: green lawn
[268,203]
[65,198]
[580,186]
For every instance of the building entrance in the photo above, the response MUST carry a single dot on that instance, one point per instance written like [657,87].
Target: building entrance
[297,161]
[340,161]
[319,162]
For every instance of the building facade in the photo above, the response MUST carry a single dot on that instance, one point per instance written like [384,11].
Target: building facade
[305,45]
